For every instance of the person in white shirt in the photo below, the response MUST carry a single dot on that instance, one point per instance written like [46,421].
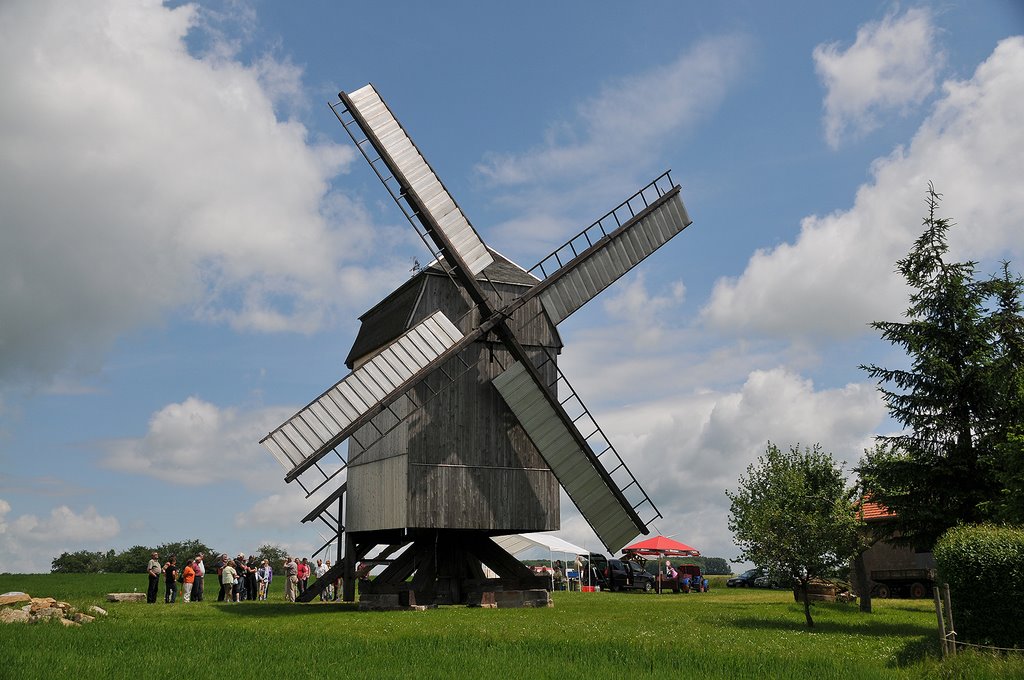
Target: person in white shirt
[197,587]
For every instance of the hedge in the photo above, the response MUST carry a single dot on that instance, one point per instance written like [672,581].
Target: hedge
[984,567]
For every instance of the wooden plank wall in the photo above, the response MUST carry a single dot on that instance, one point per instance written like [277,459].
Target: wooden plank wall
[463,461]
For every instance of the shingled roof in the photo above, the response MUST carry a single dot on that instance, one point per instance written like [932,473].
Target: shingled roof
[870,510]
[392,316]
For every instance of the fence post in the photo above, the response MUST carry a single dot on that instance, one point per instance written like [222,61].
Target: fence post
[949,617]
[942,625]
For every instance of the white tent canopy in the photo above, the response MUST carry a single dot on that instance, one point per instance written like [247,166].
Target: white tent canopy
[517,543]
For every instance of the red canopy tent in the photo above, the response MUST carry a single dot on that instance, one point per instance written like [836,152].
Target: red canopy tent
[661,546]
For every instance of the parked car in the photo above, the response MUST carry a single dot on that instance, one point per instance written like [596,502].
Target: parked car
[625,575]
[747,579]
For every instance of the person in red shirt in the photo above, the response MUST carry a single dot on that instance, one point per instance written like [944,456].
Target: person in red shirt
[303,574]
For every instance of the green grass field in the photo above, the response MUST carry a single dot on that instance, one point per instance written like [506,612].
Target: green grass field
[720,634]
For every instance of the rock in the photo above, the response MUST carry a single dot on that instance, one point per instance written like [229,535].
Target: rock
[14,598]
[68,623]
[43,601]
[98,610]
[48,613]
[83,618]
[515,599]
[126,597]
[14,616]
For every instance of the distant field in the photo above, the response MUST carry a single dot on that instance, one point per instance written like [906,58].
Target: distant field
[720,634]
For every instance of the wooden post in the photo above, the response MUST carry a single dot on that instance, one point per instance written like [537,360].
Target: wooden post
[942,624]
[348,576]
[949,617]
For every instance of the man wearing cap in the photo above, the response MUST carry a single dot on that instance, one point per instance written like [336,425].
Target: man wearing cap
[291,579]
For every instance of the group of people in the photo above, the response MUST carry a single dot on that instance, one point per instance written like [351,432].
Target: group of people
[297,573]
[190,577]
[241,578]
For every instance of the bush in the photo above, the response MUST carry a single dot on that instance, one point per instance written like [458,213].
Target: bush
[984,567]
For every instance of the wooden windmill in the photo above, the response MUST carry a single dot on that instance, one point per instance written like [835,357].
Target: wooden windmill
[459,425]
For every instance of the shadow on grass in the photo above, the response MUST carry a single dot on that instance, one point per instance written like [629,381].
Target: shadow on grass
[870,629]
[916,650]
[920,640]
[275,609]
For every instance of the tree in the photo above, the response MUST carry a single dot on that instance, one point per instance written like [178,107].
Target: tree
[1004,450]
[959,400]
[131,561]
[716,565]
[79,562]
[274,554]
[183,550]
[793,514]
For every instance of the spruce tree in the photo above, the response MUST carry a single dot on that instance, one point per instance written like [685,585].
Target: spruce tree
[942,469]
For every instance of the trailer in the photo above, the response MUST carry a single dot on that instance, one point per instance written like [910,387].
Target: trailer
[913,583]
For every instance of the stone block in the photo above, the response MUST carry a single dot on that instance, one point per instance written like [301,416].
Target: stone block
[100,611]
[14,616]
[514,599]
[14,598]
[126,597]
[68,623]
[48,613]
[83,618]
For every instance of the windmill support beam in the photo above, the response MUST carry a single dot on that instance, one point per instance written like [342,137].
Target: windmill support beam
[445,568]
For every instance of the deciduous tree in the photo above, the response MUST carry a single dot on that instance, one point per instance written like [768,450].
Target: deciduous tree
[793,514]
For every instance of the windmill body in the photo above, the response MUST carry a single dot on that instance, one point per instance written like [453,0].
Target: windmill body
[462,461]
[459,424]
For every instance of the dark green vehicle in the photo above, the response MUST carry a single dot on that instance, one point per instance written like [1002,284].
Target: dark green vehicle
[745,580]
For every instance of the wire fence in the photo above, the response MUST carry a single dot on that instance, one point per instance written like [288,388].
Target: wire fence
[947,631]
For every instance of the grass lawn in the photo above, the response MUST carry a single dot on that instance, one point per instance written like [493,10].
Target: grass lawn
[720,634]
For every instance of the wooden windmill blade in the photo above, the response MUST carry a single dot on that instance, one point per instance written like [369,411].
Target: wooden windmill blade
[592,487]
[433,205]
[576,272]
[328,420]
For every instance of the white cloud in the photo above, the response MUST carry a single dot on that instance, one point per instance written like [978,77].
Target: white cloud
[646,314]
[28,543]
[197,443]
[284,510]
[598,157]
[137,178]
[838,275]
[892,66]
[629,117]
[686,451]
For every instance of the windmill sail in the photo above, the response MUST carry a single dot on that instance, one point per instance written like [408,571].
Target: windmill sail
[599,498]
[328,419]
[588,273]
[416,176]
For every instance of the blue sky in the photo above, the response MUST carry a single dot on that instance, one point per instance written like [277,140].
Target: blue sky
[187,238]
